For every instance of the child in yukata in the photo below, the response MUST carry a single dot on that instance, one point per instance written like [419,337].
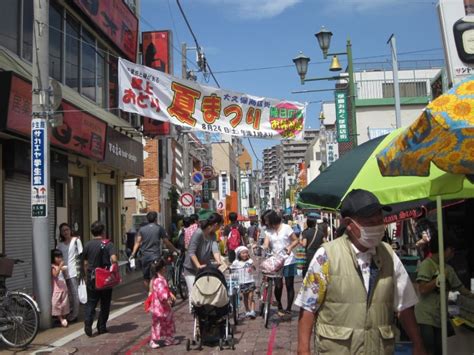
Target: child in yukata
[163,327]
[243,265]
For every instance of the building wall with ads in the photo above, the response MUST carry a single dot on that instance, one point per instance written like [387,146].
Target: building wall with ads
[86,185]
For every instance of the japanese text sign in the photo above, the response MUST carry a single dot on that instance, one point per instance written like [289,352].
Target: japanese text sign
[39,168]
[160,96]
[116,20]
[341,117]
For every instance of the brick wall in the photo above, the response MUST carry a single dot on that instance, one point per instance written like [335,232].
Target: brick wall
[150,183]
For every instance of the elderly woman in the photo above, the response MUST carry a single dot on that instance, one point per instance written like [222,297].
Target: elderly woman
[202,249]
[71,247]
[279,237]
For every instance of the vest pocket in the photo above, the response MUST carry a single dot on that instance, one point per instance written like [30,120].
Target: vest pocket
[333,339]
[387,339]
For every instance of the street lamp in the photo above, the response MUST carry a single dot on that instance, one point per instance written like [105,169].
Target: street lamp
[324,41]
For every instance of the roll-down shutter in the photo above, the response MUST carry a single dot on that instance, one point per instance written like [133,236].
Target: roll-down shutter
[18,229]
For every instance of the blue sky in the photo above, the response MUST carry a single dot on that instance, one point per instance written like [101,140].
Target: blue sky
[239,35]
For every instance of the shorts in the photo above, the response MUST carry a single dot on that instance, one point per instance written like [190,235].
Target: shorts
[146,262]
[248,287]
[289,270]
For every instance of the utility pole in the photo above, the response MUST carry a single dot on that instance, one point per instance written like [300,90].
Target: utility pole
[396,87]
[186,170]
[40,161]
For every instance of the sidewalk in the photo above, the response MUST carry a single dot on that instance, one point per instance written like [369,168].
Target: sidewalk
[125,295]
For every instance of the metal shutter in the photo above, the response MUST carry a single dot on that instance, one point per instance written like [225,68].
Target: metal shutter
[18,229]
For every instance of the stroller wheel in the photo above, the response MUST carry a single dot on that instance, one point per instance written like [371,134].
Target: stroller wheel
[188,345]
[231,344]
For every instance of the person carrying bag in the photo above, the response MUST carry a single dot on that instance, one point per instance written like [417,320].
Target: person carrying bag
[315,237]
[101,270]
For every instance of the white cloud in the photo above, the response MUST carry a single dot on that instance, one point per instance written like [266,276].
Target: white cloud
[358,5]
[257,9]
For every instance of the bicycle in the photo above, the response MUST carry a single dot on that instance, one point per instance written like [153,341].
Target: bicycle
[174,274]
[19,313]
[234,294]
[266,292]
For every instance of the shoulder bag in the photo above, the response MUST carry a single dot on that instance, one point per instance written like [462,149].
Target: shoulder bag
[106,277]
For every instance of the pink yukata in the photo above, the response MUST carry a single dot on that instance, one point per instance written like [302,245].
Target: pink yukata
[162,327]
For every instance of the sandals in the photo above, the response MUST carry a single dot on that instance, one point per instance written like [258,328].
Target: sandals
[64,323]
[171,341]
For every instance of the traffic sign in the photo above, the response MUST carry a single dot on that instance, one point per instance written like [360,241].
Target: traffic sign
[197,178]
[208,172]
[186,199]
[221,205]
[39,169]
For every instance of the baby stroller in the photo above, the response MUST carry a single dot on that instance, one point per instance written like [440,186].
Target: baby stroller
[211,310]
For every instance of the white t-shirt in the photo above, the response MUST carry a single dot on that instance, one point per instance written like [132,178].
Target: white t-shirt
[281,239]
[70,252]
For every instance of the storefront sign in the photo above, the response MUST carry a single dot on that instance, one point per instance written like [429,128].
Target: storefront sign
[80,132]
[153,94]
[341,117]
[116,20]
[153,128]
[39,168]
[405,214]
[123,153]
[156,50]
[223,186]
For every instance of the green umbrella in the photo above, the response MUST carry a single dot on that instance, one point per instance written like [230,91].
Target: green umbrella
[358,169]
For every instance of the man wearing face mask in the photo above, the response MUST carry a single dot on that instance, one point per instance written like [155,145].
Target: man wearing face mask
[354,286]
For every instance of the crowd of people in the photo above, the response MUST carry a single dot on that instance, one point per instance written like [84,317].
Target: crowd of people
[354,285]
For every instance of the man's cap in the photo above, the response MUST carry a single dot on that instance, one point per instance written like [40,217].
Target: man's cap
[361,203]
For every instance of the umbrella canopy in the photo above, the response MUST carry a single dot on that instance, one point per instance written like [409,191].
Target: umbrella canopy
[443,134]
[358,169]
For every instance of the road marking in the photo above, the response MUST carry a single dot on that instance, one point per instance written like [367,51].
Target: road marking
[271,341]
[78,333]
[138,346]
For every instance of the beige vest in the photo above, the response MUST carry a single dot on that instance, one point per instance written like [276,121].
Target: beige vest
[349,321]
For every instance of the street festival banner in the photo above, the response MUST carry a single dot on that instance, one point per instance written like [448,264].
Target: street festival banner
[163,97]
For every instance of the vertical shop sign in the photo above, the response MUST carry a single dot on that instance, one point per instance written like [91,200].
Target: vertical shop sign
[39,169]
[341,117]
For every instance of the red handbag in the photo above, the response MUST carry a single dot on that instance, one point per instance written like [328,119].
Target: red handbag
[147,304]
[106,277]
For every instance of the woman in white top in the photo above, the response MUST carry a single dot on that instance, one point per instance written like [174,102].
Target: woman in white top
[71,247]
[280,237]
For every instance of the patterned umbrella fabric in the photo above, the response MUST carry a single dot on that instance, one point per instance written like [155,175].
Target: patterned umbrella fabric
[358,169]
[443,134]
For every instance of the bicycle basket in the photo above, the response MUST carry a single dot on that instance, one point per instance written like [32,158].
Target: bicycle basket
[6,267]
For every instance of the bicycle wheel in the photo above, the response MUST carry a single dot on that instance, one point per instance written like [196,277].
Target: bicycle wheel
[21,318]
[181,283]
[268,303]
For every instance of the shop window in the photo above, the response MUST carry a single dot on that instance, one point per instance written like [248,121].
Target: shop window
[105,207]
[60,194]
[27,30]
[55,42]
[72,53]
[76,204]
[88,64]
[9,24]
[101,72]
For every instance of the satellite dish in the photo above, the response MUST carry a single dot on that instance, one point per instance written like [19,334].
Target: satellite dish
[57,94]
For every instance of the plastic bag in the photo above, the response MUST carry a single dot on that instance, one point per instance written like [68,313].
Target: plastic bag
[82,292]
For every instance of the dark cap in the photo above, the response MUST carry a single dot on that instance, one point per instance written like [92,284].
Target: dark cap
[361,203]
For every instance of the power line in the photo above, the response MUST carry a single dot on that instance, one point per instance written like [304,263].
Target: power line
[172,20]
[196,41]
[253,150]
[320,62]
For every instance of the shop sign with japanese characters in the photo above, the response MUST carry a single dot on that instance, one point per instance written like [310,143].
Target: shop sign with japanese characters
[39,168]
[163,97]
[341,117]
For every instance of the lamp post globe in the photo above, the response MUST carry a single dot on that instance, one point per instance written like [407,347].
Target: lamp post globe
[324,40]
[301,63]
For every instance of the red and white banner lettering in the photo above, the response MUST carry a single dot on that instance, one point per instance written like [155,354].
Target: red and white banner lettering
[162,97]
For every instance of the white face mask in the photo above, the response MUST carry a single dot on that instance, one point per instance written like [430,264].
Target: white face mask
[370,237]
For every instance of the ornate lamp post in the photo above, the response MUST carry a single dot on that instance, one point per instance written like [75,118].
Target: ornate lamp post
[324,40]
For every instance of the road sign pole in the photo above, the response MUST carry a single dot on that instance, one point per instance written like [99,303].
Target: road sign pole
[40,160]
